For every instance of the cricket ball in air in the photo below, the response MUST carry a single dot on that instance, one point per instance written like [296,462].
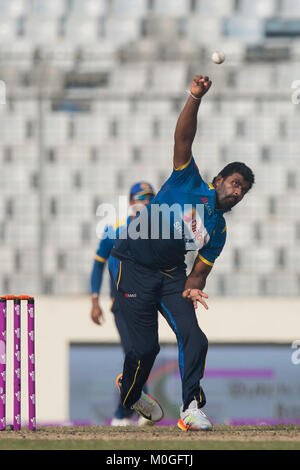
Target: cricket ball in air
[218,57]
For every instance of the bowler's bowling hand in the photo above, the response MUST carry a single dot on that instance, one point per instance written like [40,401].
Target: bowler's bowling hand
[200,85]
[195,296]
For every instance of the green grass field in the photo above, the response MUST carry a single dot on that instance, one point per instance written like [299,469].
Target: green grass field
[153,438]
[13,444]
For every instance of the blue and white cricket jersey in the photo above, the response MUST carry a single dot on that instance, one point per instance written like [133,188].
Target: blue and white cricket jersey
[181,218]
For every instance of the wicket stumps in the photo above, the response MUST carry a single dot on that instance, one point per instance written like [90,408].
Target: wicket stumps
[17,361]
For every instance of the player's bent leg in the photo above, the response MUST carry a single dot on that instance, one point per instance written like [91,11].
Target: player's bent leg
[194,369]
[136,370]
[137,300]
[192,345]
[192,350]
[125,415]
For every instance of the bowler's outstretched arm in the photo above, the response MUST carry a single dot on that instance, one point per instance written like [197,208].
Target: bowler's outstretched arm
[186,126]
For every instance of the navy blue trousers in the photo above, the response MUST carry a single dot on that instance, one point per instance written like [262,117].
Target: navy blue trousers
[141,293]
[122,412]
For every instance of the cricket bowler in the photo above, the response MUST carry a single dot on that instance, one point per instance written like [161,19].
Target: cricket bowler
[148,268]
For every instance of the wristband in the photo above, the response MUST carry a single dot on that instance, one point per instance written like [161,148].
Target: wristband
[193,96]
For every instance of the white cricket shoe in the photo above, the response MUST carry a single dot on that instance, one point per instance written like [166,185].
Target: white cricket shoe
[146,406]
[193,419]
[149,408]
[121,422]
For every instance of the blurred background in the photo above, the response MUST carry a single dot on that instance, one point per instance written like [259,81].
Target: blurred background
[90,94]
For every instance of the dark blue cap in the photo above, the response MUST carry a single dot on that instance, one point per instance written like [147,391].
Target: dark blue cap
[141,188]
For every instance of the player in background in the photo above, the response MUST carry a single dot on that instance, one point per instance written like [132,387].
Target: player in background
[153,269]
[140,195]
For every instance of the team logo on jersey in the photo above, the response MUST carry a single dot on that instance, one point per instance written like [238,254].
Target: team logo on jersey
[195,233]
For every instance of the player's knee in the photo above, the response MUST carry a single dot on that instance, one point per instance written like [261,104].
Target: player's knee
[149,353]
[200,343]
[146,352]
[143,358]
[196,336]
[203,342]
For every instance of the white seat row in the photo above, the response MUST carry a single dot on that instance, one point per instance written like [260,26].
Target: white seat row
[92,8]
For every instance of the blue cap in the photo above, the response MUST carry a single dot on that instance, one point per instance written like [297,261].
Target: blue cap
[139,189]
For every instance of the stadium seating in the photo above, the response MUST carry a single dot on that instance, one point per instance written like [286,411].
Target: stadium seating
[93,92]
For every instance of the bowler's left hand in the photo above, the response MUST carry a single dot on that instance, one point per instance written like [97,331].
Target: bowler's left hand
[195,296]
